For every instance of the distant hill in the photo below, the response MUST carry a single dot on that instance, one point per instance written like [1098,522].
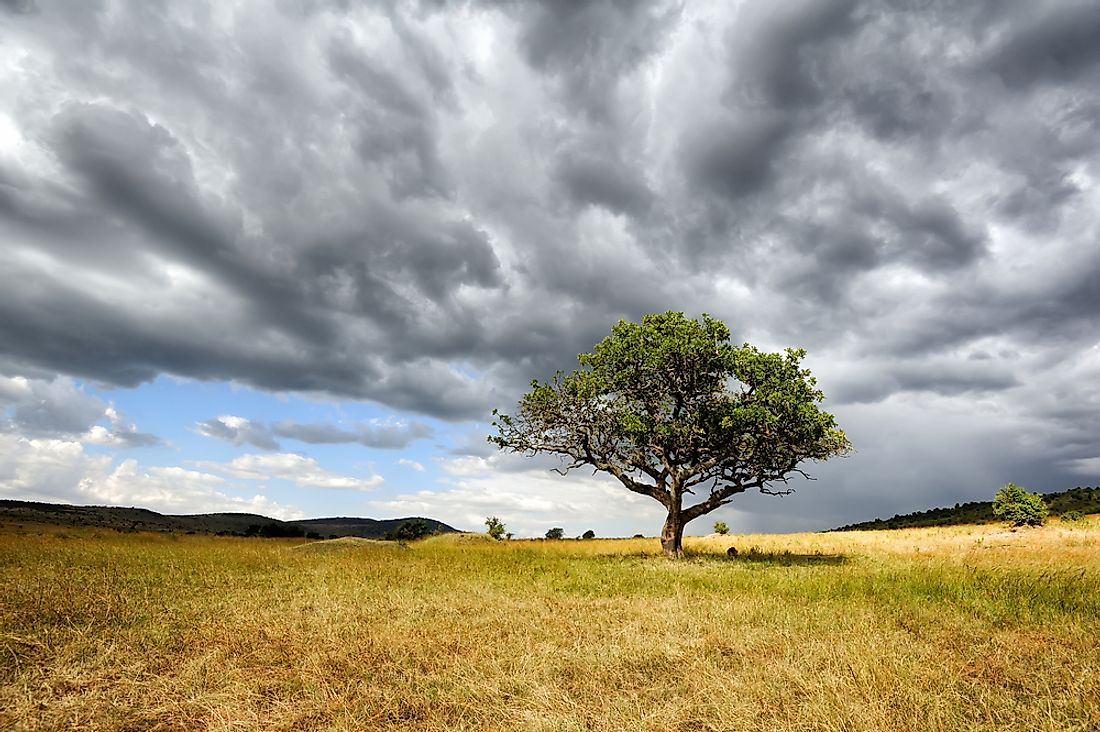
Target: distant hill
[234,524]
[1085,500]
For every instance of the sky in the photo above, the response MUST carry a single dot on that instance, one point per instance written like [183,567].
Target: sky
[285,256]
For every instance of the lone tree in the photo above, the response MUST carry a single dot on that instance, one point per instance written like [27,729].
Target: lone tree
[1019,507]
[671,409]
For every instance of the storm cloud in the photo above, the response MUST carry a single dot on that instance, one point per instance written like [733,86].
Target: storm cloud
[425,204]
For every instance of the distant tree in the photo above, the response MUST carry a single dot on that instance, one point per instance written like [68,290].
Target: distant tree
[410,530]
[1072,516]
[672,410]
[720,527]
[275,531]
[590,534]
[495,528]
[555,533]
[1020,508]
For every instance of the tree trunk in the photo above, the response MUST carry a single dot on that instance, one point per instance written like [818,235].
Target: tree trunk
[672,536]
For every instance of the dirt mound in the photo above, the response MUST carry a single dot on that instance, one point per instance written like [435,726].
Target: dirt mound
[344,542]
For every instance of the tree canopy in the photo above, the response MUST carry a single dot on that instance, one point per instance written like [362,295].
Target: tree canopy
[672,409]
[1016,505]
[495,528]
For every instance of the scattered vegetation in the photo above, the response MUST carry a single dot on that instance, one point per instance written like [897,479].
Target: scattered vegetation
[919,629]
[555,533]
[281,530]
[1084,500]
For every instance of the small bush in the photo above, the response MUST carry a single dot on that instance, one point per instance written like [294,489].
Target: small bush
[556,533]
[590,534]
[1020,508]
[1072,516]
[495,528]
[720,527]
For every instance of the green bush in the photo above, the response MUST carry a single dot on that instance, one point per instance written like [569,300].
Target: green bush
[1020,508]
[1072,516]
[590,534]
[495,528]
[410,530]
[720,527]
[555,533]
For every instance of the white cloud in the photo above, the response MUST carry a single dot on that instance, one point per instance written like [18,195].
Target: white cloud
[411,464]
[298,469]
[60,471]
[531,501]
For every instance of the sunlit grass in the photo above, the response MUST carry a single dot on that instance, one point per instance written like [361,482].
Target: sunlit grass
[923,629]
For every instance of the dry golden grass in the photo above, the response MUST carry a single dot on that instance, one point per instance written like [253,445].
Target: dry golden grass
[924,629]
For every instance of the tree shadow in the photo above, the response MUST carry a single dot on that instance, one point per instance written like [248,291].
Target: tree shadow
[776,559]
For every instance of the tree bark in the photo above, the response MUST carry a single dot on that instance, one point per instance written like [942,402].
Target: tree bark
[672,535]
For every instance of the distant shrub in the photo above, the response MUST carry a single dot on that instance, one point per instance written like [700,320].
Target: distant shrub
[720,527]
[410,530]
[590,534]
[1072,516]
[274,530]
[556,533]
[495,528]
[639,536]
[1020,508]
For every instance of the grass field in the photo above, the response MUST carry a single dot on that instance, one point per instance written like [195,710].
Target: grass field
[923,629]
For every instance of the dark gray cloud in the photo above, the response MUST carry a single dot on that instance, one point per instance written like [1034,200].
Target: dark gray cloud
[590,46]
[594,180]
[48,408]
[426,204]
[18,6]
[1060,43]
[389,436]
[59,409]
[237,431]
[241,431]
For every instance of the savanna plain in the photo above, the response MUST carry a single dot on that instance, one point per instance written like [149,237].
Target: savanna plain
[961,628]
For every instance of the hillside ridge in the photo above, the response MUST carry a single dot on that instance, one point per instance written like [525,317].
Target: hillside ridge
[123,518]
[1083,499]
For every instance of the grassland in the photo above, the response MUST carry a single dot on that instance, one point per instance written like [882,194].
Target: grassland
[964,628]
